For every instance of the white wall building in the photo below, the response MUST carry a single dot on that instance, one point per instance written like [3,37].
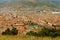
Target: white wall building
[55,12]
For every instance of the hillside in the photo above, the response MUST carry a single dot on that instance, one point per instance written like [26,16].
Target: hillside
[21,13]
[28,6]
[53,2]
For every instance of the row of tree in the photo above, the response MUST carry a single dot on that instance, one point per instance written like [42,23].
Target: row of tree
[14,31]
[45,32]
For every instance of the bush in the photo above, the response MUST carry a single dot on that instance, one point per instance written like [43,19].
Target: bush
[3,33]
[58,33]
[46,32]
[14,31]
[7,32]
[32,33]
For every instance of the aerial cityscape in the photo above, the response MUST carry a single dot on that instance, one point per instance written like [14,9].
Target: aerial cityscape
[30,17]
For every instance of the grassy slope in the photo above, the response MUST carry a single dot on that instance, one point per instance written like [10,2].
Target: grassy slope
[26,38]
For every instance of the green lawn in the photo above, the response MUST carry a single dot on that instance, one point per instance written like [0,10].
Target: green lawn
[27,38]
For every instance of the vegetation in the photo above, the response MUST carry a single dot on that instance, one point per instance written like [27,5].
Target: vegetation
[14,31]
[26,38]
[45,32]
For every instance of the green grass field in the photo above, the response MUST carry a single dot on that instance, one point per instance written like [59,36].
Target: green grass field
[27,38]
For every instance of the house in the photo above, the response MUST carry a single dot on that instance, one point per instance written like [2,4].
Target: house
[55,12]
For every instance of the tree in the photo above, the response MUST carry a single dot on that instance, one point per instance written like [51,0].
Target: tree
[7,32]
[14,31]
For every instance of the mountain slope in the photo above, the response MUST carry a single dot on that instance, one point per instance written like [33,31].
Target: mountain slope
[54,2]
[27,6]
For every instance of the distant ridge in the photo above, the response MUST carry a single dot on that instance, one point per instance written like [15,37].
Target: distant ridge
[53,2]
[33,4]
